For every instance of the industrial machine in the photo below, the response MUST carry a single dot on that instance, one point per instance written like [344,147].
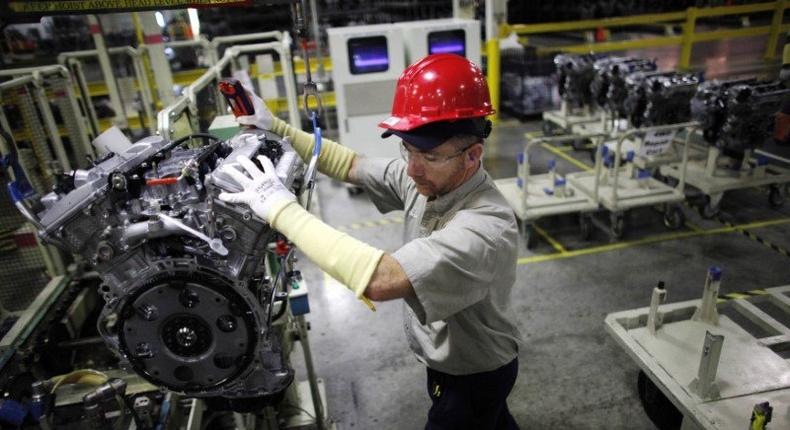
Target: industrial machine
[441,36]
[367,61]
[189,284]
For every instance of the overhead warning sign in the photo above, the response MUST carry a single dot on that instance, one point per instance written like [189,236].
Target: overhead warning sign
[20,9]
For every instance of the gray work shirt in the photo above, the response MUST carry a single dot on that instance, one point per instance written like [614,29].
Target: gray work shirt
[460,253]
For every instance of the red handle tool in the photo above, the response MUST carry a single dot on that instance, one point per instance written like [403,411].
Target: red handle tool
[237,97]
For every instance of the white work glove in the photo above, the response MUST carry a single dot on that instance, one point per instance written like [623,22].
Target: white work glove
[262,118]
[263,190]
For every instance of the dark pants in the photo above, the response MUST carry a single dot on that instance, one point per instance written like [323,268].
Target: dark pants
[476,401]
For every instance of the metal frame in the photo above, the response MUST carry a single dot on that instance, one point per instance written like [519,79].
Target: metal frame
[566,119]
[713,181]
[188,100]
[722,394]
[526,193]
[35,76]
[66,58]
[612,197]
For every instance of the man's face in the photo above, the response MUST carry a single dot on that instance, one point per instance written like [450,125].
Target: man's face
[438,171]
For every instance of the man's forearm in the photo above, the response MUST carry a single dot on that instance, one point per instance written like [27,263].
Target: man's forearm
[365,270]
[335,160]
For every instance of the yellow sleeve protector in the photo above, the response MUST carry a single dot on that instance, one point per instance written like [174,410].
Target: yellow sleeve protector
[350,261]
[335,159]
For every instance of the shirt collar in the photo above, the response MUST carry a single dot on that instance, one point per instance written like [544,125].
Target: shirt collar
[445,202]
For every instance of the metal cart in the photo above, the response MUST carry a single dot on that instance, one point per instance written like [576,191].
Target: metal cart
[716,174]
[702,370]
[536,196]
[565,118]
[621,188]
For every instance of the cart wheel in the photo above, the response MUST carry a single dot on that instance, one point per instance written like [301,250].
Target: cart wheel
[585,227]
[674,218]
[617,225]
[709,210]
[657,406]
[530,236]
[777,196]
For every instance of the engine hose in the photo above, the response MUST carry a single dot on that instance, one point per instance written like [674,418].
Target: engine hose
[170,146]
[82,376]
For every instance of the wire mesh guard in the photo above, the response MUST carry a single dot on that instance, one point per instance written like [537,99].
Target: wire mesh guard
[22,269]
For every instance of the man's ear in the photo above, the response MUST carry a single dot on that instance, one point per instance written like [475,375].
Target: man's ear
[476,152]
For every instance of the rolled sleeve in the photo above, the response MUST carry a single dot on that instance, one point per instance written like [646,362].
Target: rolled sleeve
[451,269]
[385,181]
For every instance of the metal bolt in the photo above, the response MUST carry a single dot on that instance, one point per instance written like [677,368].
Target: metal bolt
[226,323]
[148,312]
[143,350]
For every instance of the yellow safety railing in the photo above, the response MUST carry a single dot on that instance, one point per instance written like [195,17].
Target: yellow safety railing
[687,19]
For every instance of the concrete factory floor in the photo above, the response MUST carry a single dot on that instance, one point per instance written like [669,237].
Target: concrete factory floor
[572,373]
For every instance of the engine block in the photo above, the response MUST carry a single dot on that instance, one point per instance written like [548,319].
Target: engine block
[187,305]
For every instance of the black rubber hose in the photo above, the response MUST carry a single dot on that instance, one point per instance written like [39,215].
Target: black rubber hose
[170,146]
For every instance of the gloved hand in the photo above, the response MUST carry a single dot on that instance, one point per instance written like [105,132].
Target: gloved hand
[263,191]
[262,118]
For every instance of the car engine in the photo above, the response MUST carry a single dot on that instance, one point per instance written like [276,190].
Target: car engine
[575,74]
[188,302]
[709,106]
[608,86]
[660,98]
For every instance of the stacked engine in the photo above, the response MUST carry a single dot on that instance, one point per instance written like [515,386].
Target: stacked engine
[187,303]
[659,98]
[609,86]
[739,114]
[575,74]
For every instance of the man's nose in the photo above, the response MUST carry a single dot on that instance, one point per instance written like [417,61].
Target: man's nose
[415,167]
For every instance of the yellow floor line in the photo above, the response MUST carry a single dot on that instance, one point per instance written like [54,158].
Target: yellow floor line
[554,243]
[566,157]
[649,240]
[693,227]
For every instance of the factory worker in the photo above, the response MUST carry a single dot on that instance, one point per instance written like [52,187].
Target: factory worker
[457,266]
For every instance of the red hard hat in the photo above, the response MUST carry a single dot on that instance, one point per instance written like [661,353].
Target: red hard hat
[440,87]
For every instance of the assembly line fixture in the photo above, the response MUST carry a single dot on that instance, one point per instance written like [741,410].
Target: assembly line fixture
[187,103]
[702,368]
[32,81]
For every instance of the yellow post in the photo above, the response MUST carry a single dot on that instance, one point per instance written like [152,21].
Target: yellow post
[776,28]
[138,28]
[492,52]
[689,28]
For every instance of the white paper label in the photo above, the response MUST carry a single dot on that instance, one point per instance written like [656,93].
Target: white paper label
[656,142]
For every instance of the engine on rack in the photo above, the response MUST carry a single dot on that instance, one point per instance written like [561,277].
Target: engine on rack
[187,302]
[751,113]
[660,98]
[575,74]
[608,86]
[709,106]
